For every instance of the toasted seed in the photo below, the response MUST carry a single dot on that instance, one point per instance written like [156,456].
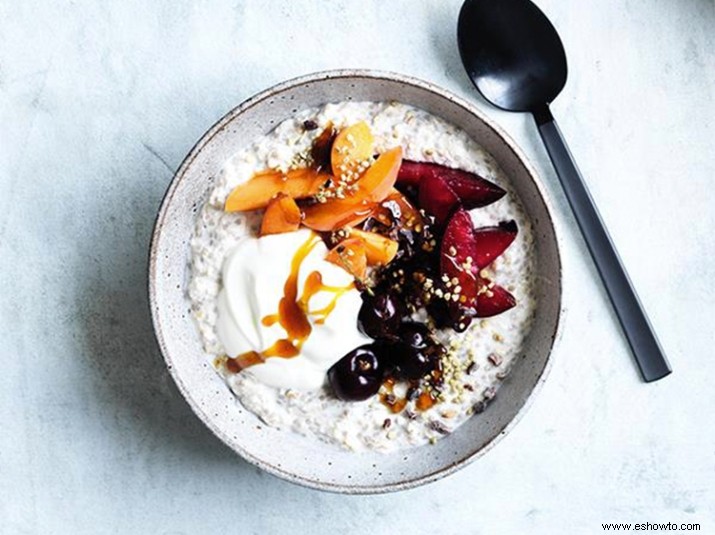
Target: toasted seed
[501,375]
[495,358]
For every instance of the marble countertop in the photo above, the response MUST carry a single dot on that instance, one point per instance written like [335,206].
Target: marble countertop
[100,101]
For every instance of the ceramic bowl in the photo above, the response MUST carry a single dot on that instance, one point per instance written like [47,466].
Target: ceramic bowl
[287,455]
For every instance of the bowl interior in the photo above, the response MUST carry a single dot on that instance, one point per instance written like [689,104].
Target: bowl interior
[283,453]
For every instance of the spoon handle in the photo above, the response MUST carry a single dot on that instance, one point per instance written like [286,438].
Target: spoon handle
[638,330]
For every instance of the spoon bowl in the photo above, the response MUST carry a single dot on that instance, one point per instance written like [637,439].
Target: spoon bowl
[512,53]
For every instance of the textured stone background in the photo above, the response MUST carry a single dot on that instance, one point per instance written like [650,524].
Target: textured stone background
[99,102]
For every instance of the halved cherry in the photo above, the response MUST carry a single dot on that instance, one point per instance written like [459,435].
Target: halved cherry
[493,241]
[473,190]
[437,198]
[493,300]
[259,190]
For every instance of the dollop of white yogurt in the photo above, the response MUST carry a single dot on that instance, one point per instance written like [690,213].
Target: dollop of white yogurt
[254,275]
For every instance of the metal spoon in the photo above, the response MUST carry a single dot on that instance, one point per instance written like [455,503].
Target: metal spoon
[516,60]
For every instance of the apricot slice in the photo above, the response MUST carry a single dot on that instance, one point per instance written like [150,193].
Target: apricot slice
[336,213]
[282,215]
[379,179]
[351,255]
[259,190]
[352,146]
[396,207]
[379,249]
[372,188]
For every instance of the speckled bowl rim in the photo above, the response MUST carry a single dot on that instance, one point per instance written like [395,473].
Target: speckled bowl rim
[257,100]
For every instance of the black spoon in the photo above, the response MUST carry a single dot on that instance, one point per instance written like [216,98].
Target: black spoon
[516,60]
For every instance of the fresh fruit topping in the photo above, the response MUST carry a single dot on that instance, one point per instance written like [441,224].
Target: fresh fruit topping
[259,190]
[457,255]
[380,178]
[358,375]
[322,147]
[473,191]
[350,255]
[379,249]
[282,215]
[335,214]
[437,198]
[417,353]
[452,315]
[380,315]
[371,189]
[493,241]
[492,299]
[412,173]
[352,148]
[397,210]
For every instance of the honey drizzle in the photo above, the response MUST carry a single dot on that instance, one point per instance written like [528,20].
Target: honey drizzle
[389,399]
[424,401]
[293,313]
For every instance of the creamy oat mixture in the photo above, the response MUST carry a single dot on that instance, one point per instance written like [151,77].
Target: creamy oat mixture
[478,359]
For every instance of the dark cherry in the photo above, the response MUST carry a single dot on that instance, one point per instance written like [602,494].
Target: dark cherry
[452,315]
[416,353]
[416,335]
[358,375]
[380,315]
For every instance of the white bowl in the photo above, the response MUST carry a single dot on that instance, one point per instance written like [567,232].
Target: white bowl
[283,453]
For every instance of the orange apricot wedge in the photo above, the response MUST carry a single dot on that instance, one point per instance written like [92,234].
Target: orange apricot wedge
[351,255]
[259,190]
[282,215]
[377,182]
[409,216]
[337,213]
[379,249]
[352,146]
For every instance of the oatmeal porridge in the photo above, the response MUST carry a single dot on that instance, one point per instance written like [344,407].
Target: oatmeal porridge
[363,274]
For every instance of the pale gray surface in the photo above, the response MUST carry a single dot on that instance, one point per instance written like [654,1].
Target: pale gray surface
[99,103]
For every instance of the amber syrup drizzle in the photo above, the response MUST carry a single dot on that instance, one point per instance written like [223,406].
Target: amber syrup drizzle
[293,312]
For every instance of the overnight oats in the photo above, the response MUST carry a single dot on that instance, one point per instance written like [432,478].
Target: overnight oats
[363,275]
